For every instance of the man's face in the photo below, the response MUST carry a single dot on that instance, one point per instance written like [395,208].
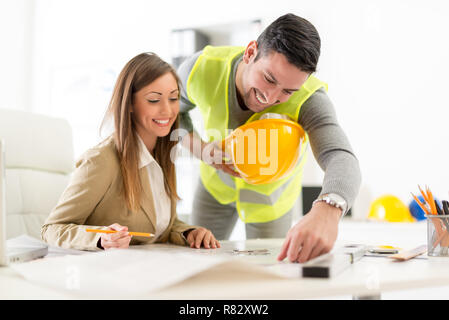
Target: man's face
[270,80]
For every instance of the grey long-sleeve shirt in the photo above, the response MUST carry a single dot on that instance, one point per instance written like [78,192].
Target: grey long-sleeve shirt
[329,144]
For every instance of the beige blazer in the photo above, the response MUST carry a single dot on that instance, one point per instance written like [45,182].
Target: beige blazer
[94,198]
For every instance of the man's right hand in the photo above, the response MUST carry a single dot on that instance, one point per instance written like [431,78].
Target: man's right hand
[210,153]
[213,155]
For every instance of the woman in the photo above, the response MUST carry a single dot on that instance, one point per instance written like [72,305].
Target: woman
[128,181]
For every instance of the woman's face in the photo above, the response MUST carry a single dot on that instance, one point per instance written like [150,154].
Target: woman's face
[156,107]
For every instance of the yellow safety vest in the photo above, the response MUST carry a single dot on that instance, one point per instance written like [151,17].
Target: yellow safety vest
[207,88]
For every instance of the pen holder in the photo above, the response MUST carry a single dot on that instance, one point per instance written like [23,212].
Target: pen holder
[437,235]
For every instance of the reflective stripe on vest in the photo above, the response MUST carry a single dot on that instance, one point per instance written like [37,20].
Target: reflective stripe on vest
[247,195]
[226,178]
[207,87]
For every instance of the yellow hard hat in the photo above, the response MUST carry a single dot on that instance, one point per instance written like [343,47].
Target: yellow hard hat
[266,150]
[390,208]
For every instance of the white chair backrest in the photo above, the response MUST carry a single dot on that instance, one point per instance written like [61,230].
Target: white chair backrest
[39,161]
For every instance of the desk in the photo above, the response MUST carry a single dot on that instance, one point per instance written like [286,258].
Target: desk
[369,276]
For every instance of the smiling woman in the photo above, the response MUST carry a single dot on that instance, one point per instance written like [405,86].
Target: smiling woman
[156,108]
[128,181]
[145,96]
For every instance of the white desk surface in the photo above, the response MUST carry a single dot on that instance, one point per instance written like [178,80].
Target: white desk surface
[368,276]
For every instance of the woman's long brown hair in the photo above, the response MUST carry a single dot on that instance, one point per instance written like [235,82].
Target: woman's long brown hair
[139,72]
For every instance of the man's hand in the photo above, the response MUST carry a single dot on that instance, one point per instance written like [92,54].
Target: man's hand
[213,155]
[313,235]
[210,153]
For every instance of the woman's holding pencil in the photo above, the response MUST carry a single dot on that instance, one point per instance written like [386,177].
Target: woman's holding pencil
[123,190]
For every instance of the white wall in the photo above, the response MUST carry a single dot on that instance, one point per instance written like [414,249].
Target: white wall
[386,63]
[16,44]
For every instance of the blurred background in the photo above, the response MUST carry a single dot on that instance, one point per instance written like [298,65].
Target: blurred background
[386,63]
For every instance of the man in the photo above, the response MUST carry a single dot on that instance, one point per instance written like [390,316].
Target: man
[230,85]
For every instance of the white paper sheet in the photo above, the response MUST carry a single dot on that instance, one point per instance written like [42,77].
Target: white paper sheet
[116,273]
[140,270]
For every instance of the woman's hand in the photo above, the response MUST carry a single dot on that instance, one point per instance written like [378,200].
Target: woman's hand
[199,236]
[120,239]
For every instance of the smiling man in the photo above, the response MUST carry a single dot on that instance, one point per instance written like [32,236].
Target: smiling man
[234,85]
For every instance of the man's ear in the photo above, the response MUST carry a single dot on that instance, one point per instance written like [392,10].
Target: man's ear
[250,52]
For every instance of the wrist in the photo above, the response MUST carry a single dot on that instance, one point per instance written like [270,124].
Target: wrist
[194,144]
[330,209]
[334,200]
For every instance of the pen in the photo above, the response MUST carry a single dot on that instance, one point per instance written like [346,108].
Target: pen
[446,207]
[439,211]
[139,234]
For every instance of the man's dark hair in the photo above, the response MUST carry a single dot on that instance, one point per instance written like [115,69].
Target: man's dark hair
[295,38]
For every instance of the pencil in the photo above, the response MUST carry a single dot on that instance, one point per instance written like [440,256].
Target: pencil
[422,205]
[433,207]
[138,234]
